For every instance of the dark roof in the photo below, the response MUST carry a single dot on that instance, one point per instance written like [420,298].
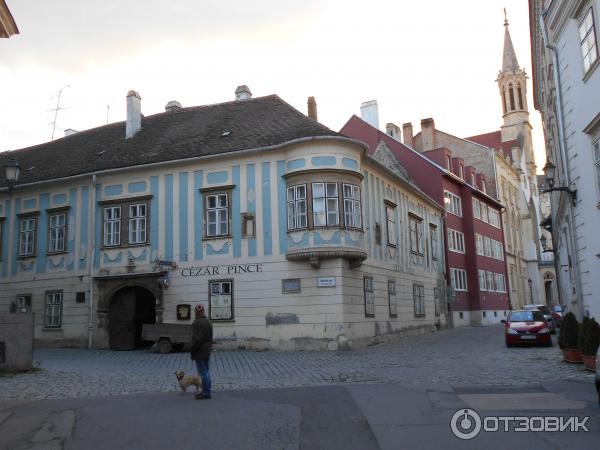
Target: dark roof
[187,133]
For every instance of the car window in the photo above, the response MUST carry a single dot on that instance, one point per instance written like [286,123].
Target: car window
[557,309]
[526,316]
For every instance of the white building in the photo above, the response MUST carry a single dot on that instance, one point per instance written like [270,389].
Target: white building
[567,93]
[289,234]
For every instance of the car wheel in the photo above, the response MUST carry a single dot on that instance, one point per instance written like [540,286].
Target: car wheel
[508,345]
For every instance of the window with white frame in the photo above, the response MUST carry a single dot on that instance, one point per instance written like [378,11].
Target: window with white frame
[352,214]
[419,299]
[325,204]
[23,303]
[597,165]
[484,212]
[490,281]
[433,239]
[296,207]
[416,234]
[453,203]
[217,214]
[494,217]
[369,296]
[112,226]
[53,309]
[27,235]
[57,236]
[390,215]
[476,209]
[458,279]
[221,299]
[392,298]
[456,241]
[487,246]
[587,39]
[482,280]
[500,282]
[137,223]
[479,244]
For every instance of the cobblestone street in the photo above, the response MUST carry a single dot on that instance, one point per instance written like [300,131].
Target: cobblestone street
[473,356]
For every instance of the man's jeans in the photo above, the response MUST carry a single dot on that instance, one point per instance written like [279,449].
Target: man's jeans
[203,372]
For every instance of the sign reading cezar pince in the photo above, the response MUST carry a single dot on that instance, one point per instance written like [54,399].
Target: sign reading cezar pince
[220,270]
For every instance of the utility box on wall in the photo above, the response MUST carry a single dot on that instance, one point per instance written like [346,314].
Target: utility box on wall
[16,341]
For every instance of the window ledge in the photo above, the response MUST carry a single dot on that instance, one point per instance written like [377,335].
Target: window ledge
[52,329]
[216,238]
[222,321]
[393,316]
[369,315]
[23,257]
[120,247]
[62,252]
[420,315]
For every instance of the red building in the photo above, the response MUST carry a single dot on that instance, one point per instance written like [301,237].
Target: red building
[474,243]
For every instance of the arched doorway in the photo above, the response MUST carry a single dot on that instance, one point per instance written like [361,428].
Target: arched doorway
[548,280]
[130,308]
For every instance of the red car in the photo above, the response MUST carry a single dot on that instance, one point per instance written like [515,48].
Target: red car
[527,327]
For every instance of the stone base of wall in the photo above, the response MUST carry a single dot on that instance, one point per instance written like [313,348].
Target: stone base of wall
[60,343]
[16,341]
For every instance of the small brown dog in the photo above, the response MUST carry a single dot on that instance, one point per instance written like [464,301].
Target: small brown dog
[188,380]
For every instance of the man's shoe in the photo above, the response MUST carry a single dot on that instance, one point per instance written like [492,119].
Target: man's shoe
[202,396]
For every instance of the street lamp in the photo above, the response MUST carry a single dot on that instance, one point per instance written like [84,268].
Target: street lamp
[530,290]
[550,172]
[544,242]
[12,169]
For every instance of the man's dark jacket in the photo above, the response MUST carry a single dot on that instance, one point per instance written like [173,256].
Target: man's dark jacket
[202,334]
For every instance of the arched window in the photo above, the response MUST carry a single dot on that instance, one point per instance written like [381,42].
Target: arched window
[511,96]
[503,101]
[520,96]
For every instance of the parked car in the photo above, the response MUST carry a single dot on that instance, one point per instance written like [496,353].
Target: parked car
[598,374]
[547,315]
[557,314]
[527,327]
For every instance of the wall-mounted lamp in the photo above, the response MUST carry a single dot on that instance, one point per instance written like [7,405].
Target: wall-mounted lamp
[550,171]
[544,242]
[12,169]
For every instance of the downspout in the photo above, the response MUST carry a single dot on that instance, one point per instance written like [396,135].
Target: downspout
[91,260]
[563,154]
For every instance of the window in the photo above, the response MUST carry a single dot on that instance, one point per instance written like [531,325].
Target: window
[221,299]
[369,297]
[325,204]
[137,223]
[511,96]
[392,298]
[352,215]
[449,163]
[453,203]
[520,95]
[57,232]
[27,236]
[484,213]
[112,226]
[419,299]
[476,209]
[217,214]
[23,303]
[479,244]
[493,218]
[458,279]
[487,246]
[490,281]
[456,241]
[460,315]
[416,234]
[53,310]
[80,297]
[461,171]
[482,280]
[290,286]
[597,164]
[248,225]
[390,213]
[500,282]
[296,207]
[587,38]
[433,238]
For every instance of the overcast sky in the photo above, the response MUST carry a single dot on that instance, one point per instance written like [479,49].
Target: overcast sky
[434,58]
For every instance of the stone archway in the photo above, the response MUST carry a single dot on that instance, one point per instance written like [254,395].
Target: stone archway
[548,287]
[130,308]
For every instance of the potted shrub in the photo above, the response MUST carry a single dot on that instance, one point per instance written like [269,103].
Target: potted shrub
[568,339]
[589,339]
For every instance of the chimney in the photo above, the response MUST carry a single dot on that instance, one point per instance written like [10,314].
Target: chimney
[408,134]
[243,93]
[369,112]
[173,106]
[393,130]
[134,114]
[70,131]
[427,134]
[312,109]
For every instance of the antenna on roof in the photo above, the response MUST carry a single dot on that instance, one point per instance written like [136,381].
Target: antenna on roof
[107,109]
[57,109]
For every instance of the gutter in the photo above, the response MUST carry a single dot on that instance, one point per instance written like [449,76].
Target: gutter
[91,260]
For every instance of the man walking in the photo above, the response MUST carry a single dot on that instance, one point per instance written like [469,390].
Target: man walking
[202,334]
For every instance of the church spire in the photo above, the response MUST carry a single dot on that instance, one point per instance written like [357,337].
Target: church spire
[509,58]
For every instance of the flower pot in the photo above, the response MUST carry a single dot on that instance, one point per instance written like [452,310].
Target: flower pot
[572,355]
[589,362]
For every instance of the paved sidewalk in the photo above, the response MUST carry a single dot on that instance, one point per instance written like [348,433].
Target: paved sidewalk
[470,356]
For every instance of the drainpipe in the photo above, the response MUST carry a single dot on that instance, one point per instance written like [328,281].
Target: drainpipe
[91,260]
[565,160]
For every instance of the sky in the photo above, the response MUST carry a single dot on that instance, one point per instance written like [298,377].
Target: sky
[434,59]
